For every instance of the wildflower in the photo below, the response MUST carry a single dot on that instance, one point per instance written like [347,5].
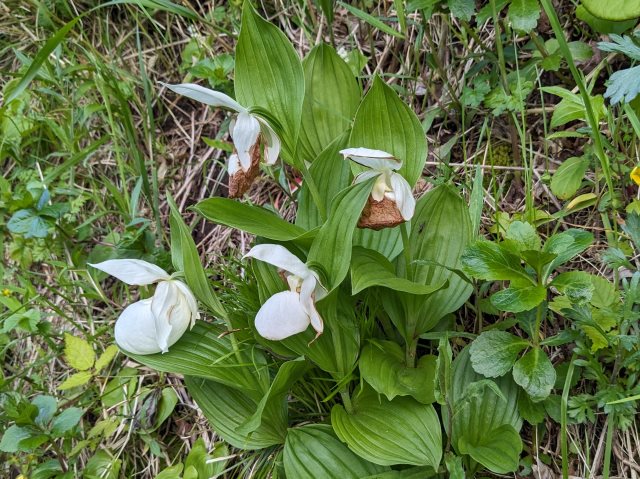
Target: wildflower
[288,312]
[635,175]
[249,132]
[151,325]
[6,292]
[391,202]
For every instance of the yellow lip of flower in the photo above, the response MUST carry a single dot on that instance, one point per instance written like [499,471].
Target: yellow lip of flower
[635,175]
[6,292]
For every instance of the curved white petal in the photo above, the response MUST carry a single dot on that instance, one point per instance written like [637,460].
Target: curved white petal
[280,257]
[379,187]
[163,302]
[272,148]
[132,271]
[366,175]
[281,316]
[245,135]
[307,293]
[205,95]
[135,329]
[191,301]
[233,165]
[376,159]
[405,201]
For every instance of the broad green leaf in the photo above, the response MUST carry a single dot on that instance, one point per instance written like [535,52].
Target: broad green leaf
[75,380]
[331,98]
[407,473]
[462,9]
[252,219]
[535,374]
[498,450]
[516,299]
[206,351]
[172,472]
[185,257]
[454,466]
[314,451]
[603,26]
[572,106]
[566,246]
[47,406]
[269,75]
[576,285]
[616,10]
[227,409]
[567,179]
[102,465]
[522,236]
[29,223]
[331,249]
[12,438]
[524,14]
[493,353]
[491,261]
[370,268]
[201,460]
[66,420]
[401,431]
[384,122]
[78,352]
[106,357]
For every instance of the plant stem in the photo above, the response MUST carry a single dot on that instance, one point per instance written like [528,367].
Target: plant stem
[410,352]
[406,249]
[313,189]
[536,329]
[346,400]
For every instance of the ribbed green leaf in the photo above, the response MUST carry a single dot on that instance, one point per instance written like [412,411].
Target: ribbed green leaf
[227,409]
[252,219]
[370,268]
[499,449]
[314,451]
[269,75]
[331,99]
[535,373]
[616,10]
[205,352]
[401,431]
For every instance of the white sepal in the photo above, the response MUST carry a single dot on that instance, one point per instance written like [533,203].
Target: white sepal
[132,271]
[404,199]
[135,329]
[272,147]
[233,165]
[307,299]
[280,257]
[205,95]
[245,136]
[191,301]
[376,159]
[281,316]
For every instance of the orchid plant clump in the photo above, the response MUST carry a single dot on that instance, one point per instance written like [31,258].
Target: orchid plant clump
[358,291]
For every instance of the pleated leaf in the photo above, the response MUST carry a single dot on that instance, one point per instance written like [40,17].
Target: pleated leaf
[499,449]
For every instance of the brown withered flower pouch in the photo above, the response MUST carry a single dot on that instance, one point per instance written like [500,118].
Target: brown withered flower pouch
[378,215]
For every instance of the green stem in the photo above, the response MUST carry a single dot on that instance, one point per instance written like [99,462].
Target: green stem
[346,400]
[315,192]
[410,352]
[406,249]
[536,329]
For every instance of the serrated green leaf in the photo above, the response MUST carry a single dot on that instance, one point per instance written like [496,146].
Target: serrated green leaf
[521,236]
[516,299]
[75,380]
[524,14]
[535,374]
[462,9]
[567,179]
[499,449]
[106,357]
[493,353]
[314,451]
[488,260]
[66,420]
[78,352]
[566,246]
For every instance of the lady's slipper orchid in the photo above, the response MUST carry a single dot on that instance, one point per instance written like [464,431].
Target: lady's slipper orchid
[249,132]
[151,325]
[391,202]
[288,312]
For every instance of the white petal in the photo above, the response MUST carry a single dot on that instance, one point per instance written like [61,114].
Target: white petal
[272,148]
[376,159]
[245,135]
[308,303]
[172,313]
[191,301]
[135,329]
[281,316]
[366,175]
[403,196]
[379,187]
[233,165]
[205,95]
[280,257]
[132,271]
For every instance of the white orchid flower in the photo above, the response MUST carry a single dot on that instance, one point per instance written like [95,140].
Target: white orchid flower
[151,325]
[288,312]
[390,184]
[249,133]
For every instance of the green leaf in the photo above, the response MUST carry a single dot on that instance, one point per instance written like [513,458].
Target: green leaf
[331,98]
[314,451]
[252,219]
[535,374]
[462,9]
[206,351]
[522,236]
[524,14]
[567,179]
[12,438]
[382,365]
[498,450]
[331,249]
[516,299]
[488,260]
[493,353]
[102,466]
[572,106]
[186,258]
[66,420]
[401,431]
[172,472]
[371,20]
[29,224]
[227,409]
[603,26]
[384,122]
[78,379]
[370,268]
[454,466]
[269,75]
[78,352]
[566,246]
[47,406]
[200,459]
[616,10]
[623,85]
[106,357]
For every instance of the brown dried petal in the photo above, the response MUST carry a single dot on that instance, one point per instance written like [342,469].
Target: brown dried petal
[378,215]
[241,180]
